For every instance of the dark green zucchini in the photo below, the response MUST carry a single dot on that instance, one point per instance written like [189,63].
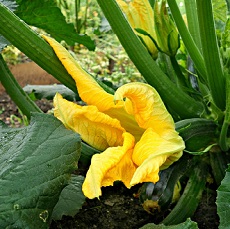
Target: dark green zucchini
[160,195]
[197,133]
[189,200]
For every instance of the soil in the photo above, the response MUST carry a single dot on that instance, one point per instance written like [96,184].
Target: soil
[118,207]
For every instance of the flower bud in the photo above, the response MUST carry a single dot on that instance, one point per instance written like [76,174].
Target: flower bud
[166,32]
[139,13]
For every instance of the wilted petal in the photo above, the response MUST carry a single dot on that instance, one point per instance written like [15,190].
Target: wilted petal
[88,89]
[96,128]
[147,107]
[153,153]
[113,164]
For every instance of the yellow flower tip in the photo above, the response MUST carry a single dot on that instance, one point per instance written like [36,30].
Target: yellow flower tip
[90,191]
[56,97]
[114,164]
[154,153]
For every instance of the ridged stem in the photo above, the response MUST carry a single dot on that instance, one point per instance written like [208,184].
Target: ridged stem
[193,50]
[32,45]
[179,101]
[210,49]
[192,19]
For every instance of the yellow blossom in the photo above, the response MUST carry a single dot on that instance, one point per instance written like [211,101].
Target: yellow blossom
[154,23]
[132,127]
[166,32]
[139,13]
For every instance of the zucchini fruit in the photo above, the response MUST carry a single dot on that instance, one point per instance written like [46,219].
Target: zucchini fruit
[189,200]
[158,196]
[197,133]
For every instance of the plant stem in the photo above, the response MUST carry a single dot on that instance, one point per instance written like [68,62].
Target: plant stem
[77,20]
[180,76]
[21,99]
[215,76]
[32,45]
[86,13]
[224,130]
[192,19]
[179,101]
[188,40]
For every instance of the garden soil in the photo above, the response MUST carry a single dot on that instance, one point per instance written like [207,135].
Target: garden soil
[118,207]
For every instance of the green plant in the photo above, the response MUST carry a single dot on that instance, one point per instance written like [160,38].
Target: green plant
[196,95]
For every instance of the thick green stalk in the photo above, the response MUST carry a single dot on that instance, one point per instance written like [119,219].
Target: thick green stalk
[181,78]
[37,49]
[180,102]
[187,39]
[21,99]
[32,45]
[192,19]
[215,76]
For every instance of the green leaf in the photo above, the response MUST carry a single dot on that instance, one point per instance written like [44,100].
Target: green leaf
[188,224]
[70,199]
[46,15]
[35,164]
[226,35]
[220,9]
[223,200]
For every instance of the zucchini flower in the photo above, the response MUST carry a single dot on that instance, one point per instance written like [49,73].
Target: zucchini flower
[166,32]
[155,28]
[132,128]
[139,13]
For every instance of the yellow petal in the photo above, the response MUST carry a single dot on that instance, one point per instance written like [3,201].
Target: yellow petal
[88,89]
[127,121]
[113,164]
[96,128]
[146,105]
[145,13]
[153,153]
[140,15]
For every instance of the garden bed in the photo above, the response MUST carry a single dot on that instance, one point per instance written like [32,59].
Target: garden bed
[118,207]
